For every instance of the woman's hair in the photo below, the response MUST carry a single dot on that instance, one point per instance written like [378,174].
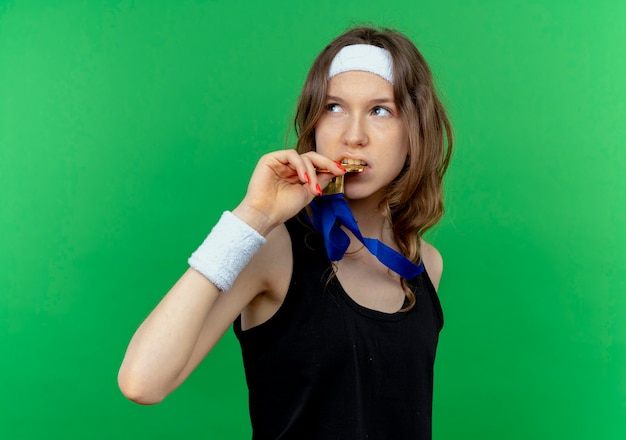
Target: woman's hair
[414,200]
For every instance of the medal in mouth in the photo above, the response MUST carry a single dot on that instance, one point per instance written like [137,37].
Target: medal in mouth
[336,184]
[353,165]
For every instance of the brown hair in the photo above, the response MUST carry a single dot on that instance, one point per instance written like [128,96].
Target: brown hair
[414,201]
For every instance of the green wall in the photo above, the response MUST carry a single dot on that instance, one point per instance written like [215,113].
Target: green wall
[126,127]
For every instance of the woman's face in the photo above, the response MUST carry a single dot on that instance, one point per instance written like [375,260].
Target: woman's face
[362,124]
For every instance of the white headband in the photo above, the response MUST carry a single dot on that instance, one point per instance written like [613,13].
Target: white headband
[364,57]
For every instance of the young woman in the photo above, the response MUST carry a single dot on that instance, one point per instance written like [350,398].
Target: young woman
[333,298]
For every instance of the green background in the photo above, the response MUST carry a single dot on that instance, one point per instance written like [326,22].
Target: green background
[127,127]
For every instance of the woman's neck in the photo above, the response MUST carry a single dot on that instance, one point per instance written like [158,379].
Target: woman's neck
[371,221]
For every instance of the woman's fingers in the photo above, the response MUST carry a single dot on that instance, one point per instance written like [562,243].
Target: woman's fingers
[284,182]
[305,166]
[316,162]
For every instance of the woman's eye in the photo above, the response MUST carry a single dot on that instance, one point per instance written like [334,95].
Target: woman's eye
[333,108]
[381,111]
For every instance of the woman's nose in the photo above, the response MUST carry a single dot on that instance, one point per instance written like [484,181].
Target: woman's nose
[355,132]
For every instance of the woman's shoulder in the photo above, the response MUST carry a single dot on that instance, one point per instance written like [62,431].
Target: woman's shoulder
[275,260]
[269,275]
[432,261]
[274,254]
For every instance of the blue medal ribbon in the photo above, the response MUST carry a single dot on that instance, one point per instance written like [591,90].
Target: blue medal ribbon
[330,212]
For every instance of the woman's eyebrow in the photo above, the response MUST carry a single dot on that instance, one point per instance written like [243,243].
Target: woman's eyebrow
[333,98]
[383,101]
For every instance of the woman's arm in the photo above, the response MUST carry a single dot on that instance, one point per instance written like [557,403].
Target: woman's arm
[164,343]
[187,324]
[194,314]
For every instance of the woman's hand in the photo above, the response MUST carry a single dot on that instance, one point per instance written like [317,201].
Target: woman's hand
[283,183]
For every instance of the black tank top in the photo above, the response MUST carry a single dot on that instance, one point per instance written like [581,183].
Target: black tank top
[324,367]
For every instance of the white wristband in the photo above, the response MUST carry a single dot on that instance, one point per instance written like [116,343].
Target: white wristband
[226,251]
